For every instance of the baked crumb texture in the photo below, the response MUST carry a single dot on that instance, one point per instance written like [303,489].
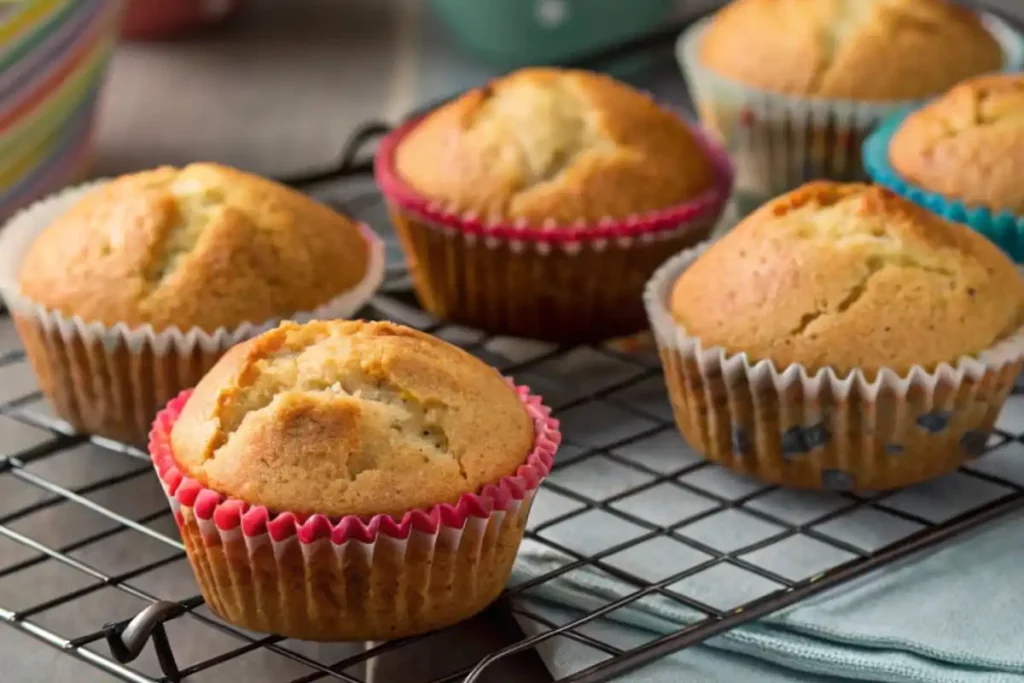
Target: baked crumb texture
[351,481]
[146,280]
[850,276]
[551,147]
[873,50]
[350,418]
[515,202]
[829,280]
[204,246]
[968,145]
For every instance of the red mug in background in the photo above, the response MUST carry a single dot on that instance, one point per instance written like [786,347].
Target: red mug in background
[160,19]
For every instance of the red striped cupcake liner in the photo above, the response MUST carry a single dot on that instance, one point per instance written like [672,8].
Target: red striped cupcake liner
[353,578]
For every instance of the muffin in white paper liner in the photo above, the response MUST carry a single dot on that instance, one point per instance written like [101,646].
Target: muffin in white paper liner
[354,578]
[110,380]
[777,141]
[818,430]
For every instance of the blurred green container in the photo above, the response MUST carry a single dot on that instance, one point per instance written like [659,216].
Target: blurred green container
[514,33]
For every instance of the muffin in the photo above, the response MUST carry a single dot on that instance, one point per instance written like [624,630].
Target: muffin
[126,292]
[793,87]
[840,337]
[539,204]
[962,156]
[351,481]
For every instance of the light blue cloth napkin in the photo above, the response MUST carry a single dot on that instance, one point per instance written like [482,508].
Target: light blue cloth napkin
[955,615]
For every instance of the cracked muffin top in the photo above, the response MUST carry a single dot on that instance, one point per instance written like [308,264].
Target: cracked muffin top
[348,417]
[203,246]
[968,144]
[873,50]
[850,276]
[547,146]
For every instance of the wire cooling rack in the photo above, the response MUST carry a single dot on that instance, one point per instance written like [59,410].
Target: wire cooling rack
[88,543]
[91,563]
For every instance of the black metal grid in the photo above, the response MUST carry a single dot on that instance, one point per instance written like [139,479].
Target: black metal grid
[90,561]
[604,471]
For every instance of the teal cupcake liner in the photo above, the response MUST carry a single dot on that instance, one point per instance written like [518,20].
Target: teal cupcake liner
[1004,228]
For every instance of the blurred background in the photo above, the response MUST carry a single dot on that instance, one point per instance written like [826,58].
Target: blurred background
[271,86]
[277,87]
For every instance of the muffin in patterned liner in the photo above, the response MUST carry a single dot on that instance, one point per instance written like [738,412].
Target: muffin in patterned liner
[106,367]
[307,574]
[538,206]
[827,422]
[790,119]
[961,156]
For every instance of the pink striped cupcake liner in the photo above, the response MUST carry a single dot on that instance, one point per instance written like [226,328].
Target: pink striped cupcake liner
[545,282]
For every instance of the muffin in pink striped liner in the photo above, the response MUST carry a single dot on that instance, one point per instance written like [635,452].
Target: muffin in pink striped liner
[351,481]
[538,205]
[125,292]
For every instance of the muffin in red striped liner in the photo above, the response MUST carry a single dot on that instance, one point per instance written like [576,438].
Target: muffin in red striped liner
[351,481]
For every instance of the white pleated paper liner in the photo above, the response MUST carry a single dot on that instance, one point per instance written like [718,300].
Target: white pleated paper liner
[815,429]
[111,379]
[778,141]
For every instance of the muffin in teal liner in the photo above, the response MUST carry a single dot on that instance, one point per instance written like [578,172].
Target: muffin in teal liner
[961,156]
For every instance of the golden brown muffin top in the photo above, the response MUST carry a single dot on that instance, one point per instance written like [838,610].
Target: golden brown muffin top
[204,246]
[874,50]
[850,276]
[349,417]
[546,146]
[968,144]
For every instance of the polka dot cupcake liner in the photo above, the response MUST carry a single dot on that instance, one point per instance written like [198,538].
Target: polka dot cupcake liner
[111,380]
[779,142]
[543,282]
[1005,229]
[316,578]
[817,430]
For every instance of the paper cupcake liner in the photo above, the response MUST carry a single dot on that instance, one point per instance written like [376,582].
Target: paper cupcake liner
[779,142]
[572,283]
[110,380]
[1005,228]
[817,430]
[353,578]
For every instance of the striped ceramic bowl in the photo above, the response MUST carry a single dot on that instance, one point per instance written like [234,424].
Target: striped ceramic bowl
[53,60]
